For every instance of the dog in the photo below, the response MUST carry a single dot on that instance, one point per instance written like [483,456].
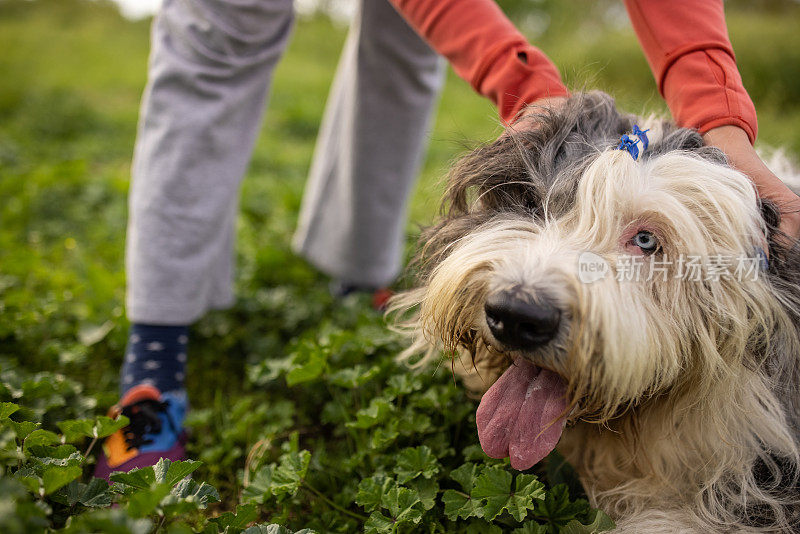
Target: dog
[676,399]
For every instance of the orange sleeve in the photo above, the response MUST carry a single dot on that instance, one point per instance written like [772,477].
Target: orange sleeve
[486,50]
[687,46]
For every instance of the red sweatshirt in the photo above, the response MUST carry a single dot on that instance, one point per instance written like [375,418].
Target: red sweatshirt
[686,43]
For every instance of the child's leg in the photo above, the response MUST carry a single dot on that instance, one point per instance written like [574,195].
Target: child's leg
[369,148]
[209,73]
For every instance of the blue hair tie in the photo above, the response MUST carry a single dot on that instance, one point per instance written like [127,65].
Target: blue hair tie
[642,135]
[630,145]
[763,261]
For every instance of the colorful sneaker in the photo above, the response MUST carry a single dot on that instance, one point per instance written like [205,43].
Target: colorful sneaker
[379,297]
[155,431]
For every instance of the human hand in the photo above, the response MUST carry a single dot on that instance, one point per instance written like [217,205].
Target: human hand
[734,142]
[537,107]
[547,103]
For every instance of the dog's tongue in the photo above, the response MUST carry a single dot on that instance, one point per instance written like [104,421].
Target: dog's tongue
[522,414]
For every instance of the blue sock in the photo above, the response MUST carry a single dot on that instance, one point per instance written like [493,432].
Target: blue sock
[155,355]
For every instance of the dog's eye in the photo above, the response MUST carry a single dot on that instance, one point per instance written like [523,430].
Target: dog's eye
[645,241]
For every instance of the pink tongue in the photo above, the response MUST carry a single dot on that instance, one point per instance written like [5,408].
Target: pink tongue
[522,414]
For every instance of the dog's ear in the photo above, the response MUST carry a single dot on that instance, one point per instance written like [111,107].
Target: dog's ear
[542,155]
[784,259]
[496,177]
[771,214]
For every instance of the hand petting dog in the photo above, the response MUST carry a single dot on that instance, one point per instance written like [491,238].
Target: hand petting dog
[734,142]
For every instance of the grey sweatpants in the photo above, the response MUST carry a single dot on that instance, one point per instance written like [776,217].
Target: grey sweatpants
[210,68]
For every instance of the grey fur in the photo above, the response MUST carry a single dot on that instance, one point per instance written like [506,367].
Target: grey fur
[542,156]
[538,164]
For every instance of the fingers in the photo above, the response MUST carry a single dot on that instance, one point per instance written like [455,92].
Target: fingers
[734,142]
[535,108]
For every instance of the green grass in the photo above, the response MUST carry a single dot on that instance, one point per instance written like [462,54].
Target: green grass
[71,76]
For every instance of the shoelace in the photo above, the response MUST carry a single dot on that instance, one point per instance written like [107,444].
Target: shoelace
[144,417]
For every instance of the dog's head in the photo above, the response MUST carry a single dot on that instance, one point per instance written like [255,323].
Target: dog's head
[594,282]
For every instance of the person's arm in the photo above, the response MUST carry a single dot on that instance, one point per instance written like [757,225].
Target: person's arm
[687,46]
[486,50]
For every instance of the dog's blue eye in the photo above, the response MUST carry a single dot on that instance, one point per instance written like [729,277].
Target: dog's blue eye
[645,241]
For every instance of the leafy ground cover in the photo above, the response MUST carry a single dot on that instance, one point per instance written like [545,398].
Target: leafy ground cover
[301,416]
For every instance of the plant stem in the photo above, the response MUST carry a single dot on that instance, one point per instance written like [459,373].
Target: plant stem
[160,524]
[333,504]
[89,449]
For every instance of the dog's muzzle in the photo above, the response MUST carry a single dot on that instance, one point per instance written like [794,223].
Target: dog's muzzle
[519,324]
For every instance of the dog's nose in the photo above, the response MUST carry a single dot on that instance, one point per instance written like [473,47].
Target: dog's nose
[519,324]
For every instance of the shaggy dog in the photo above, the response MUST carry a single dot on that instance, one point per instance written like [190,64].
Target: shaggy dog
[676,398]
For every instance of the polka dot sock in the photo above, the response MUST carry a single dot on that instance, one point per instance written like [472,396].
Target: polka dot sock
[155,355]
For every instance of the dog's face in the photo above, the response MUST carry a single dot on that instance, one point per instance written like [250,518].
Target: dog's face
[606,282]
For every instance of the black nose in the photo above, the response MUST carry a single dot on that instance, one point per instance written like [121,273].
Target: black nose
[519,324]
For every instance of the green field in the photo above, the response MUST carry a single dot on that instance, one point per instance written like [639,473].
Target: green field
[287,369]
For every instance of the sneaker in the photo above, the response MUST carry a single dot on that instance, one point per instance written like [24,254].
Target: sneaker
[155,431]
[379,297]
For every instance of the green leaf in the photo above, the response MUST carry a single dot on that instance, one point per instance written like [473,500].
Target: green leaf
[272,528]
[76,429]
[413,424]
[260,486]
[188,496]
[494,487]
[557,509]
[144,502]
[465,476]
[385,435]
[379,523]
[267,529]
[105,426]
[371,491]
[73,459]
[531,527]
[476,526]
[289,474]
[427,491]
[378,410]
[458,505]
[19,513]
[170,473]
[62,452]
[22,429]
[140,478]
[190,490]
[40,437]
[28,478]
[108,520]
[403,504]
[244,515]
[415,461]
[93,495]
[559,471]
[353,377]
[177,526]
[527,489]
[6,409]
[54,477]
[598,521]
[308,363]
[474,453]
[403,384]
